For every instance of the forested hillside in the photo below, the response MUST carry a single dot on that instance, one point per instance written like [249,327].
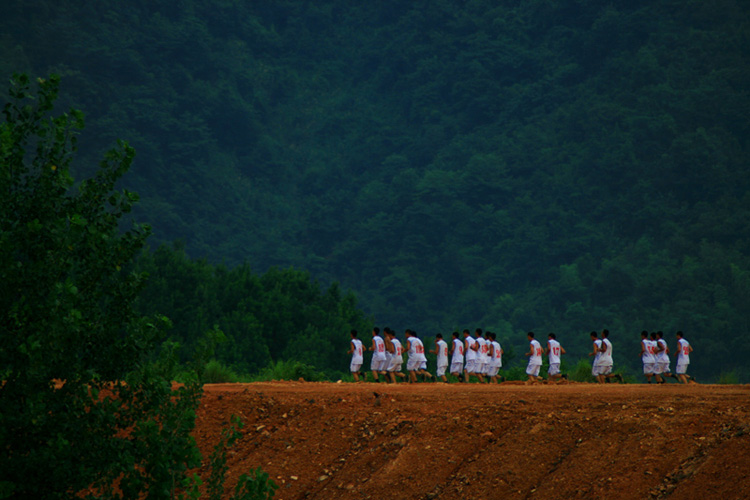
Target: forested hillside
[514,165]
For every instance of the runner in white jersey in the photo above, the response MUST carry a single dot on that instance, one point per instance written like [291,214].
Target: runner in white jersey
[441,350]
[683,358]
[378,362]
[653,345]
[397,357]
[457,357]
[389,350]
[417,362]
[553,351]
[488,355]
[535,359]
[482,357]
[662,357]
[488,341]
[470,352]
[357,352]
[596,352]
[496,358]
[647,356]
[607,361]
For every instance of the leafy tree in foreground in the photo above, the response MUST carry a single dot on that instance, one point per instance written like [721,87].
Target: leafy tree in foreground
[87,408]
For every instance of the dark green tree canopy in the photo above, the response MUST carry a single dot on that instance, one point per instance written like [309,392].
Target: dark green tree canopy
[82,386]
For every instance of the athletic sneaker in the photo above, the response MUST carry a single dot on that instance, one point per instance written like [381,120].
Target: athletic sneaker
[619,377]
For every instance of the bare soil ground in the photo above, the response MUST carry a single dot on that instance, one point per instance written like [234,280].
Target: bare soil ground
[471,441]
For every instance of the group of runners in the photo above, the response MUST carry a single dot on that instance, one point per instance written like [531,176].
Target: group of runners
[655,357]
[480,357]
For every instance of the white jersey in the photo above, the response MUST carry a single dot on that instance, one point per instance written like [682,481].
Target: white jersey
[554,352]
[357,355]
[487,357]
[662,356]
[497,355]
[398,350]
[442,353]
[470,353]
[482,350]
[379,352]
[683,354]
[416,349]
[598,355]
[536,353]
[458,351]
[649,351]
[606,357]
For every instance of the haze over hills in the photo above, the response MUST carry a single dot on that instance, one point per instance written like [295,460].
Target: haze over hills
[548,166]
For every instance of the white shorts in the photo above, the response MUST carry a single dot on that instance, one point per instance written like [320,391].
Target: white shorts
[471,366]
[441,370]
[415,364]
[493,370]
[533,370]
[682,369]
[481,368]
[554,369]
[605,369]
[648,368]
[378,365]
[662,368]
[354,367]
[396,362]
[457,367]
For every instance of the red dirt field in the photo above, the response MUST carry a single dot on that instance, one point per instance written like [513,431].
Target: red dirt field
[471,441]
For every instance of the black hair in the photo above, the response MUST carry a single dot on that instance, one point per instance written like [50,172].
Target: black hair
[679,334]
[660,334]
[354,333]
[605,333]
[492,335]
[594,334]
[376,330]
[466,330]
[455,335]
[530,334]
[439,336]
[653,335]
[644,334]
[478,330]
[552,336]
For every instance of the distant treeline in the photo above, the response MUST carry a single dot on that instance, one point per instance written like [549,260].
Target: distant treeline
[547,166]
[279,315]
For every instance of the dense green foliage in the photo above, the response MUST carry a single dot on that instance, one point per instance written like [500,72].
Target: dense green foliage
[280,315]
[87,406]
[68,320]
[538,165]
